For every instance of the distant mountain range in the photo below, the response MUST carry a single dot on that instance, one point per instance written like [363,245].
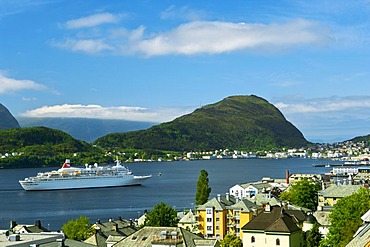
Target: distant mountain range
[236,122]
[85,129]
[7,119]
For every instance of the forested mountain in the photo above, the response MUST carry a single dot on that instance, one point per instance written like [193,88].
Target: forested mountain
[236,122]
[86,129]
[41,146]
[361,139]
[7,121]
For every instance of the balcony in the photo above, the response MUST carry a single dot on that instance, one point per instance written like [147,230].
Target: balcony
[230,216]
[230,225]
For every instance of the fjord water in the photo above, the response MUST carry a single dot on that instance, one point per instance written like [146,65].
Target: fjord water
[175,186]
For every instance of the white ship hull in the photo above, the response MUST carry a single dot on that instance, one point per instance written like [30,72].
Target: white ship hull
[83,182]
[77,178]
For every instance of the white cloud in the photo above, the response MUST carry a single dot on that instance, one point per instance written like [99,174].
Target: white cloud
[11,85]
[222,37]
[114,112]
[328,119]
[287,84]
[184,12]
[202,37]
[92,21]
[325,105]
[89,46]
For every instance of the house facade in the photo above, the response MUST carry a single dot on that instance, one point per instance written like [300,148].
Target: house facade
[249,190]
[225,215]
[332,194]
[273,227]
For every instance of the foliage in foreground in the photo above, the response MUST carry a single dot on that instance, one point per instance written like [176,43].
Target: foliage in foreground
[78,229]
[313,236]
[231,240]
[345,218]
[161,215]
[203,189]
[303,194]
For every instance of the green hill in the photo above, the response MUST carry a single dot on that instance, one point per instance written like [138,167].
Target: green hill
[7,121]
[236,122]
[41,146]
[361,139]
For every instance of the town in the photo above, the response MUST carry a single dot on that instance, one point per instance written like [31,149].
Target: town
[253,212]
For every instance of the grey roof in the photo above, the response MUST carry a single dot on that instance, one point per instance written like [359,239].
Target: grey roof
[218,205]
[207,242]
[257,185]
[104,230]
[245,205]
[188,218]
[145,236]
[67,243]
[322,217]
[262,199]
[283,224]
[361,238]
[340,191]
[276,220]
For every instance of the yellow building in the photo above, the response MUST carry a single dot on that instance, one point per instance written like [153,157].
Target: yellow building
[225,215]
[331,195]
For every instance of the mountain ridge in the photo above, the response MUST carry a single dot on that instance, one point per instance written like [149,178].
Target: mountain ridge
[86,129]
[236,122]
[8,121]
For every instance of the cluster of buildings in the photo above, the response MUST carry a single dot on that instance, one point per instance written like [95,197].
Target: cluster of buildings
[356,152]
[252,212]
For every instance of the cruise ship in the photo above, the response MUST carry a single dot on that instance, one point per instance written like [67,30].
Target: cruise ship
[92,176]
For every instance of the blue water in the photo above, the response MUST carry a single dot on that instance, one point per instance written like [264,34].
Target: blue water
[176,187]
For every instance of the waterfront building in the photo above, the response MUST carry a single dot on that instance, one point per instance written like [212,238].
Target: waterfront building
[249,190]
[301,176]
[344,170]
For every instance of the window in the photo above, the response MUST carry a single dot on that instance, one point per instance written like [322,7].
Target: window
[209,228]
[209,211]
[209,219]
[277,241]
[253,239]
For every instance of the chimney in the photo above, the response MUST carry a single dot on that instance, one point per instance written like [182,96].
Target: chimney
[114,226]
[227,196]
[268,207]
[12,224]
[38,223]
[287,176]
[219,197]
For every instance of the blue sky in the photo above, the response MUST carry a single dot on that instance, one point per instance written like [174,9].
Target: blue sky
[157,60]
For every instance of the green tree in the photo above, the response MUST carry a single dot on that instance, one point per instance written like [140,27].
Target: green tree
[345,218]
[161,215]
[302,193]
[203,189]
[231,241]
[78,229]
[313,237]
